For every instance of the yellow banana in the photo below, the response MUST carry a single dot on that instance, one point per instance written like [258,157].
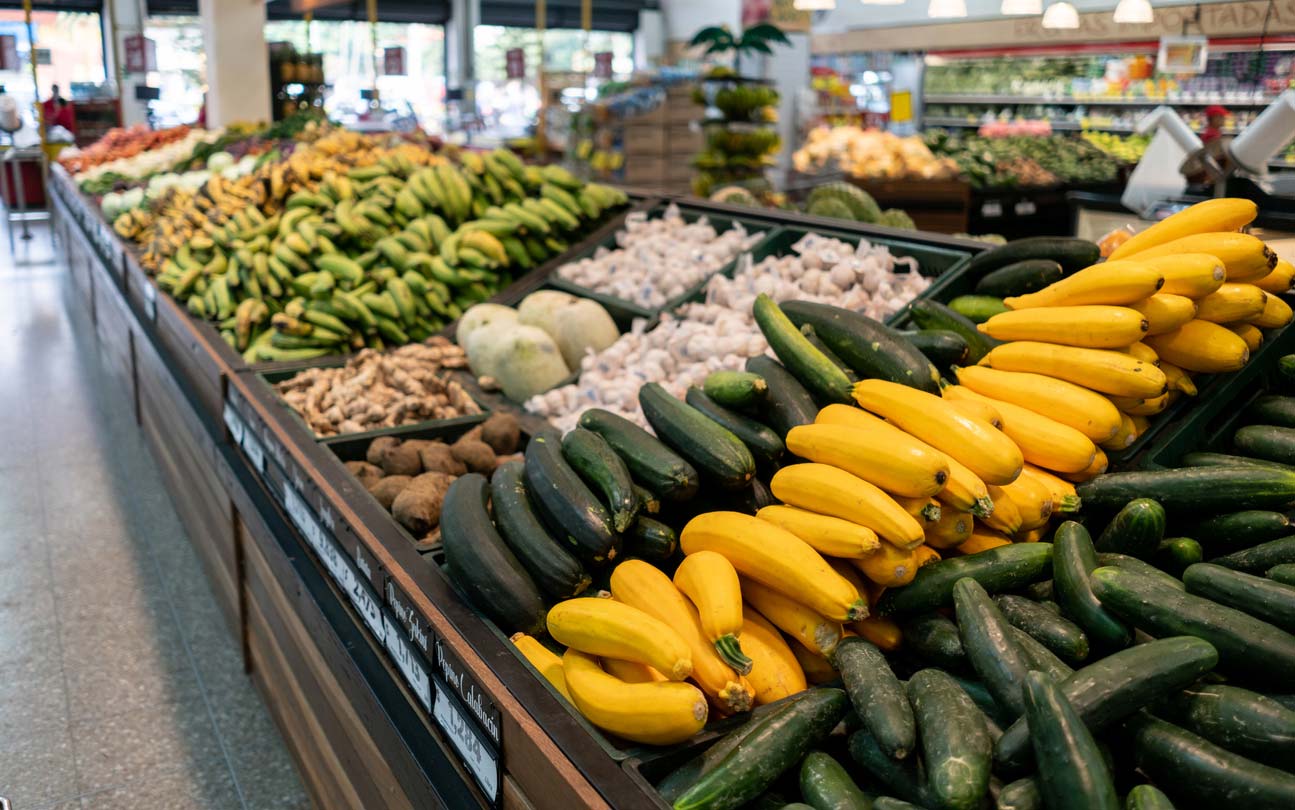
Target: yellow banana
[1082,409]
[1043,441]
[1143,352]
[1231,302]
[813,630]
[828,490]
[1245,257]
[1192,275]
[776,673]
[830,536]
[985,451]
[543,659]
[1280,280]
[889,567]
[487,244]
[877,452]
[1277,313]
[1179,380]
[1249,333]
[1165,313]
[710,582]
[777,558]
[1224,214]
[661,713]
[1107,283]
[1099,369]
[608,628]
[1203,347]
[1093,326]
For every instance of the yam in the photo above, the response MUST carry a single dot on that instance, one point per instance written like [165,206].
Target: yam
[436,457]
[418,506]
[378,448]
[402,459]
[369,474]
[476,455]
[386,489]
[502,433]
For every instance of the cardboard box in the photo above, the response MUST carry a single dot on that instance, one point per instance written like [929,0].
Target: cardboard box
[647,141]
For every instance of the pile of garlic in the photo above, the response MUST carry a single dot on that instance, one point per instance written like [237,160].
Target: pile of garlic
[721,333]
[659,260]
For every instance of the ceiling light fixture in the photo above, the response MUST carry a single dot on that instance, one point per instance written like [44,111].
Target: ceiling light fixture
[1013,8]
[883,2]
[1134,12]
[814,5]
[1061,15]
[946,9]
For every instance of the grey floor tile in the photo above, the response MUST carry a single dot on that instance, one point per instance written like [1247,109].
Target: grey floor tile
[187,790]
[33,702]
[37,767]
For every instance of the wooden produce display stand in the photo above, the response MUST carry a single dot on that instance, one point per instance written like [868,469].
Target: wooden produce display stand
[390,691]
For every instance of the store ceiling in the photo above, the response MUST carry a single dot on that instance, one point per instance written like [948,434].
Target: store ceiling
[56,5]
[608,15]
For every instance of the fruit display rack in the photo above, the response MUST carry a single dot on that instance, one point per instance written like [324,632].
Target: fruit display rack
[390,691]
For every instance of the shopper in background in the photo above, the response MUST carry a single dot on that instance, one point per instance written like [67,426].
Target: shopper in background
[58,111]
[1214,118]
[1215,144]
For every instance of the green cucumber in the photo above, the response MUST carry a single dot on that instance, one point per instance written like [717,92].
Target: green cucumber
[891,803]
[1284,573]
[935,639]
[905,778]
[815,370]
[956,747]
[1202,774]
[1248,648]
[868,347]
[1140,567]
[787,404]
[1039,657]
[649,503]
[1240,529]
[1023,794]
[480,563]
[711,448]
[1073,562]
[1260,557]
[1072,254]
[977,308]
[686,775]
[1243,722]
[1286,367]
[1005,568]
[1115,687]
[1060,635]
[1262,598]
[877,696]
[1147,797]
[1072,772]
[817,342]
[652,464]
[760,439]
[943,347]
[991,648]
[1176,553]
[1266,442]
[825,785]
[1202,459]
[650,540]
[1207,490]
[1272,409]
[776,742]
[570,509]
[736,389]
[979,694]
[930,314]
[554,569]
[1136,530]
[1041,591]
[1020,278]
[597,463]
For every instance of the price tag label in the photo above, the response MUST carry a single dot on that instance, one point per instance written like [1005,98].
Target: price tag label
[300,515]
[991,209]
[415,675]
[1025,208]
[454,673]
[479,759]
[150,301]
[234,423]
[367,604]
[255,452]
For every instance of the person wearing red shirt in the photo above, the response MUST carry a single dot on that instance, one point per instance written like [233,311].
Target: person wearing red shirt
[1214,118]
[58,111]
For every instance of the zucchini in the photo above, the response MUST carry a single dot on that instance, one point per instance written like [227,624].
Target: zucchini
[1039,657]
[1241,529]
[650,540]
[891,803]
[1262,598]
[1109,690]
[1202,459]
[930,314]
[956,747]
[775,743]
[1072,772]
[1260,557]
[1266,442]
[1248,648]
[1284,573]
[1286,367]
[736,389]
[1147,797]
[1073,562]
[817,342]
[1072,254]
[554,569]
[1204,775]
[570,510]
[596,462]
[935,639]
[480,564]
[1060,635]
[649,503]
[787,404]
[1208,490]
[977,308]
[1243,722]
[905,778]
[1272,409]
[1020,278]
[760,439]
[1176,553]
[877,696]
[1005,568]
[824,379]
[991,649]
[711,448]
[652,464]
[825,785]
[869,348]
[979,694]
[1139,567]
[1136,530]
[943,347]
[686,775]
[1023,794]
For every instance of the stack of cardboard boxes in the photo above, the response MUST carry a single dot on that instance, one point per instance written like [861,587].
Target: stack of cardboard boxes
[659,145]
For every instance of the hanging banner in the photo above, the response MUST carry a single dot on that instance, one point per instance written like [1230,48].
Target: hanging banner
[393,61]
[782,13]
[515,63]
[9,53]
[603,65]
[141,54]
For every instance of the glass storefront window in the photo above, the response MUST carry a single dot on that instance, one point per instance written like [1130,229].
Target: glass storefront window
[75,44]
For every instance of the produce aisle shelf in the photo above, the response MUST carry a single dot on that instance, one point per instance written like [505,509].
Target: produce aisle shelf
[1093,101]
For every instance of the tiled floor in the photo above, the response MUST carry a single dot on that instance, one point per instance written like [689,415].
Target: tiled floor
[120,686]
